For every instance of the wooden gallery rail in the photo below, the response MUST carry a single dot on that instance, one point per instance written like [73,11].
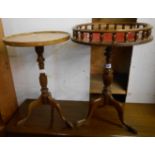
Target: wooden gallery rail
[110,35]
[118,34]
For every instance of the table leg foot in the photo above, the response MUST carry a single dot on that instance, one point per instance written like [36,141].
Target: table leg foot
[82,122]
[129,128]
[31,106]
[92,107]
[56,105]
[120,111]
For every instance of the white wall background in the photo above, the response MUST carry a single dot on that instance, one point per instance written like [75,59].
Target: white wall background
[68,65]
[141,87]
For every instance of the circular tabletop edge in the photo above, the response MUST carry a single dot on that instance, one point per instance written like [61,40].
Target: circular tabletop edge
[33,44]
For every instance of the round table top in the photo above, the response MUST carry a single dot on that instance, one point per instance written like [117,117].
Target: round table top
[112,34]
[32,39]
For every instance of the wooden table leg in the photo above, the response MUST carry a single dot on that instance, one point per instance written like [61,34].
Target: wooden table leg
[56,105]
[93,105]
[46,97]
[31,106]
[106,98]
[120,110]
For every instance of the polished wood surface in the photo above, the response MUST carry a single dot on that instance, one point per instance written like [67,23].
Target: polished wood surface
[8,101]
[120,54]
[43,38]
[112,33]
[106,97]
[117,87]
[46,96]
[2,128]
[127,20]
[39,40]
[104,121]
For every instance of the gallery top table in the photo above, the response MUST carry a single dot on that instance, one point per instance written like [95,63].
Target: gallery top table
[112,34]
[108,35]
[39,40]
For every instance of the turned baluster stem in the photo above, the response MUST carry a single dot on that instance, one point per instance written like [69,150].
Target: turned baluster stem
[107,73]
[75,34]
[39,50]
[125,36]
[107,26]
[43,77]
[113,37]
[90,37]
[99,26]
[92,27]
[136,36]
[115,26]
[101,36]
[143,35]
[123,26]
[82,35]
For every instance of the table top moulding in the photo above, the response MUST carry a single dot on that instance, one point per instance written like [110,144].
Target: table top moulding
[42,38]
[38,40]
[108,35]
[112,33]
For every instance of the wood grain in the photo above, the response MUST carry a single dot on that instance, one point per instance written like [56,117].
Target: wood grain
[118,86]
[103,123]
[36,38]
[120,54]
[112,33]
[8,102]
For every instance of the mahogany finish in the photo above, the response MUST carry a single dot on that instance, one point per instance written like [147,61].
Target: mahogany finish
[110,35]
[103,123]
[36,39]
[118,34]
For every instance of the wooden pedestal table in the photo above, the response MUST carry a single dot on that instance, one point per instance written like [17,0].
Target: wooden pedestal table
[39,40]
[109,35]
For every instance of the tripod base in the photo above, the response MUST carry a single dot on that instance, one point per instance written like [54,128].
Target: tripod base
[101,102]
[54,105]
